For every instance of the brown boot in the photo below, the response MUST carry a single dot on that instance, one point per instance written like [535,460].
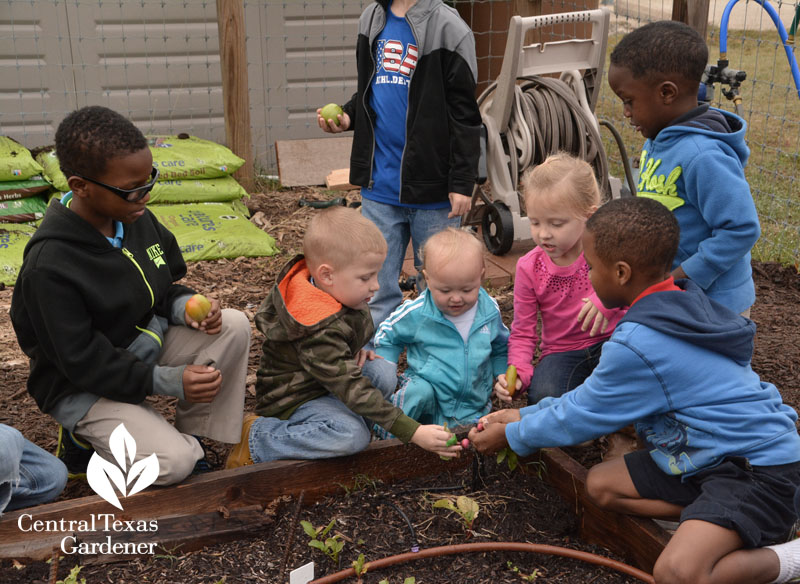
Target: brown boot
[240,455]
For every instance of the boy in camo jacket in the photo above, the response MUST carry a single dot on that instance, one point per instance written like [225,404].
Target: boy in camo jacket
[312,397]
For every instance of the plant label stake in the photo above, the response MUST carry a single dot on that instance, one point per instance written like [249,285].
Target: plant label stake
[302,575]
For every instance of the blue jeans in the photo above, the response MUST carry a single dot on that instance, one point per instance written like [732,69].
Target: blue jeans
[399,225]
[321,428]
[29,475]
[558,373]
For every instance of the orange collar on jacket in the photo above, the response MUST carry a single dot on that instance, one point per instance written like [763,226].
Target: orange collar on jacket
[305,302]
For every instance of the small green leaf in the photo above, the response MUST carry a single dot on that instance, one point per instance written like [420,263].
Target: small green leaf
[317,544]
[409,580]
[328,528]
[501,456]
[309,529]
[444,504]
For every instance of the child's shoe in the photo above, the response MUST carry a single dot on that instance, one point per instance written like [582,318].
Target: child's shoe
[202,465]
[240,455]
[74,453]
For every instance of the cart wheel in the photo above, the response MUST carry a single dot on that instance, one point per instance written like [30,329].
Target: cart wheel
[498,228]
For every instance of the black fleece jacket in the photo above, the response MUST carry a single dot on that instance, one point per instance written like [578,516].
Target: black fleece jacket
[443,121]
[79,302]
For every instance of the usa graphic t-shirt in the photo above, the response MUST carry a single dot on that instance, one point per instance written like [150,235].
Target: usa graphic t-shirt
[396,55]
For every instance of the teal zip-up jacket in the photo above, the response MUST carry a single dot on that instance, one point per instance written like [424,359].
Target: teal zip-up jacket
[462,373]
[92,317]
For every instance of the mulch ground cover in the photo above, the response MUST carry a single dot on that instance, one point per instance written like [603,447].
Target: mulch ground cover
[372,518]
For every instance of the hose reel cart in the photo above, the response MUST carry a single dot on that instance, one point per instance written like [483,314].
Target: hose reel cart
[528,116]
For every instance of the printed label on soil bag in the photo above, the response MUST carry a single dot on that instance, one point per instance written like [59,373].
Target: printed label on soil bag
[209,231]
[13,239]
[185,157]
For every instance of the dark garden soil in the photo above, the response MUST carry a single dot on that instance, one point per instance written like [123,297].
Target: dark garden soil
[372,518]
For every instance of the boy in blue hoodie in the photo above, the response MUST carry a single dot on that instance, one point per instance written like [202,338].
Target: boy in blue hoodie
[693,159]
[723,452]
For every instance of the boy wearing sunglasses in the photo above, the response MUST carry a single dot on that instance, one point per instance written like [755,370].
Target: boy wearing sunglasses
[98,309]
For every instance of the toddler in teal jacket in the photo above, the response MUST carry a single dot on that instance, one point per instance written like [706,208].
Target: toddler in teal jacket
[454,335]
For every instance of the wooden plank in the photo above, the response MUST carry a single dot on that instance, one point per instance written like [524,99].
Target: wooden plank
[258,484]
[692,12]
[181,534]
[235,99]
[308,162]
[638,540]
[339,180]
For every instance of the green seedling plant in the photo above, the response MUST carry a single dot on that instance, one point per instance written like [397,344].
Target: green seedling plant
[360,567]
[532,577]
[330,546]
[72,578]
[466,508]
[509,456]
[409,580]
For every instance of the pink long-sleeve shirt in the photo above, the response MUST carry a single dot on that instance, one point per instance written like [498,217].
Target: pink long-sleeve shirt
[558,292]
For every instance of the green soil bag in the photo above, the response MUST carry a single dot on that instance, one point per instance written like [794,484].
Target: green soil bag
[184,156]
[21,189]
[210,231]
[13,239]
[23,210]
[51,170]
[181,160]
[207,190]
[16,162]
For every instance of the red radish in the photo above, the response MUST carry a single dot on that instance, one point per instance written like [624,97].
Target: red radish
[465,443]
[480,426]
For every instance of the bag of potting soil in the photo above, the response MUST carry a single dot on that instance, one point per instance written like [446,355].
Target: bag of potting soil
[16,162]
[13,239]
[208,190]
[22,210]
[49,161]
[209,231]
[189,157]
[21,189]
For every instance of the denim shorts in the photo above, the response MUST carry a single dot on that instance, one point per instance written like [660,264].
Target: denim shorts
[755,501]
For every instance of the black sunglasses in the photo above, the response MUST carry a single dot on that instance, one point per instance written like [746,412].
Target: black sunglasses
[130,195]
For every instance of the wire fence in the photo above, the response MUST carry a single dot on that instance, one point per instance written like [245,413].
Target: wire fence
[158,63]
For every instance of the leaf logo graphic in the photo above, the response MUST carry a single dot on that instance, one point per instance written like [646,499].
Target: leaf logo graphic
[103,475]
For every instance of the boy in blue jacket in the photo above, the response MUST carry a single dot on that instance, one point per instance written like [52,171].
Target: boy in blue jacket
[723,452]
[693,159]
[455,338]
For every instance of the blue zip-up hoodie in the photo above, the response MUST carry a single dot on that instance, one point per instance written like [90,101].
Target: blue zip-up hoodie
[461,373]
[678,366]
[695,167]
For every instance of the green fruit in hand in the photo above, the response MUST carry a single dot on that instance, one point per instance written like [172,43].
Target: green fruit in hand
[331,112]
[511,378]
[198,307]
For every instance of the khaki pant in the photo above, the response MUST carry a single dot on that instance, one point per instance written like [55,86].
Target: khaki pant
[175,446]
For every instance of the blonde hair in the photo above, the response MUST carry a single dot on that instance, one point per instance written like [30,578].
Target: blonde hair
[339,235]
[449,244]
[570,177]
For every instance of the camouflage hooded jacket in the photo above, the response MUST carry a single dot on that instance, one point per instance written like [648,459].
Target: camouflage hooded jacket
[309,351]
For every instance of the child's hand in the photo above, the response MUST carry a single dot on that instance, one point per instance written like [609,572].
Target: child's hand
[501,388]
[211,324]
[590,314]
[434,438]
[331,127]
[505,416]
[201,383]
[364,355]
[491,439]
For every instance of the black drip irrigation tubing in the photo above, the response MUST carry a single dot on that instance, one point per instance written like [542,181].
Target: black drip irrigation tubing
[508,546]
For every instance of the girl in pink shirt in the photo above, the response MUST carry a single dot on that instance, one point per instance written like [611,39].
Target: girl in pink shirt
[552,280]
